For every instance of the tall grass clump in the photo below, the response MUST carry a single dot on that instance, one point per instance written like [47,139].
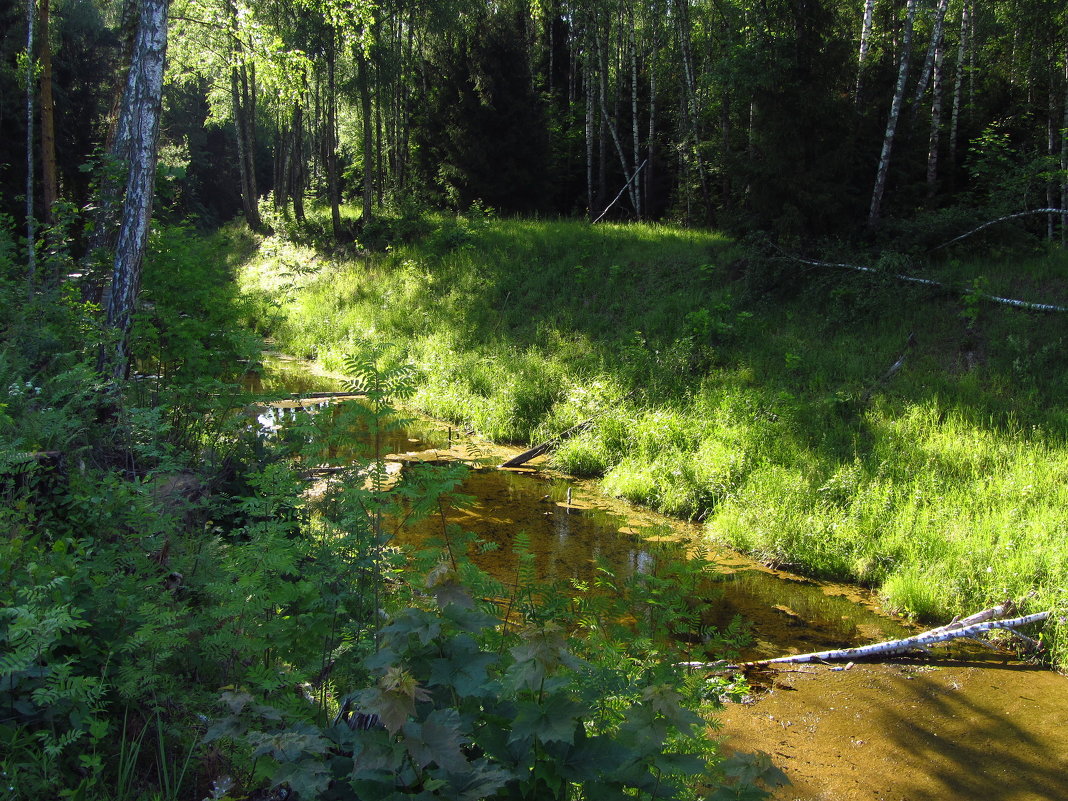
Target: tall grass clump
[744,391]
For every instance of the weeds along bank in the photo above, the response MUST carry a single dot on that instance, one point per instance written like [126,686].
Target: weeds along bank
[751,394]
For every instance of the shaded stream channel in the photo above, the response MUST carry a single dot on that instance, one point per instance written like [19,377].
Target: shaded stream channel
[963,723]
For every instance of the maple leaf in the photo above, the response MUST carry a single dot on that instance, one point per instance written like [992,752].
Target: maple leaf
[438,739]
[394,698]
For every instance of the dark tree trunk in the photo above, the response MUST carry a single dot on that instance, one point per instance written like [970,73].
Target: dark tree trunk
[31,225]
[49,180]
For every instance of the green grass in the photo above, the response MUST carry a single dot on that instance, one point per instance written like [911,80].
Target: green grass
[738,390]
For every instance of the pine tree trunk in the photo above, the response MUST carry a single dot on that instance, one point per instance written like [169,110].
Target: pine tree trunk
[648,183]
[1052,150]
[31,225]
[636,193]
[368,136]
[49,179]
[142,102]
[297,165]
[892,120]
[1064,156]
[589,136]
[330,142]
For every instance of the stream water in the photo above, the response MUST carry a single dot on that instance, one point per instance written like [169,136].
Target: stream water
[965,723]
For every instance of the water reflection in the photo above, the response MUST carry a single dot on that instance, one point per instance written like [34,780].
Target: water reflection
[571,542]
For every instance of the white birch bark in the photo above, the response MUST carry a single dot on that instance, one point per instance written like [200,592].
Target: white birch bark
[891,122]
[932,49]
[958,81]
[934,140]
[142,103]
[865,44]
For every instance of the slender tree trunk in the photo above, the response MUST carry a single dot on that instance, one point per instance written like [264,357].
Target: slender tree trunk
[1064,156]
[651,146]
[636,194]
[692,108]
[368,135]
[958,82]
[936,117]
[891,122]
[49,179]
[243,98]
[932,49]
[610,124]
[865,45]
[31,225]
[142,103]
[589,136]
[297,179]
[1052,149]
[330,142]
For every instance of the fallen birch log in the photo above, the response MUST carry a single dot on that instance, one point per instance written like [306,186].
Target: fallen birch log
[919,641]
[966,627]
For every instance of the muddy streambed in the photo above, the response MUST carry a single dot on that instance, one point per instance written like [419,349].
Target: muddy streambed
[964,724]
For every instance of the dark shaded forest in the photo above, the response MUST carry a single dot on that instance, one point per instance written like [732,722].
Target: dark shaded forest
[801,119]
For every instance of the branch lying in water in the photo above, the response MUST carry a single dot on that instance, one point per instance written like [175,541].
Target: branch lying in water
[969,626]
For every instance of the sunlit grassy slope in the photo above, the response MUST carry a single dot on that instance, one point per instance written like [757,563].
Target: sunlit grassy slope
[743,392]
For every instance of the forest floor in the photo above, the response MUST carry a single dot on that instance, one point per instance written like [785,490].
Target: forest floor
[844,424]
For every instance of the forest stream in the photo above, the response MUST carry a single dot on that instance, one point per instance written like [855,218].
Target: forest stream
[965,723]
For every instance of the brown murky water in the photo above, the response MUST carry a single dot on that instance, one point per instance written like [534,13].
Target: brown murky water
[965,724]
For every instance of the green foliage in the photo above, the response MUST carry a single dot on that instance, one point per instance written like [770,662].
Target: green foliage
[458,713]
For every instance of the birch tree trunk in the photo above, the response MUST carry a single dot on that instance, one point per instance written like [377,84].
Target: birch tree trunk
[936,117]
[368,135]
[892,120]
[49,180]
[865,45]
[958,82]
[932,50]
[31,226]
[141,107]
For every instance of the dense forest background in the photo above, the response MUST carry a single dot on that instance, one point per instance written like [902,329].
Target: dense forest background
[802,119]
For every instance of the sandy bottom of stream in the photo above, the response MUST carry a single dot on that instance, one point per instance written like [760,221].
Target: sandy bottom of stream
[933,729]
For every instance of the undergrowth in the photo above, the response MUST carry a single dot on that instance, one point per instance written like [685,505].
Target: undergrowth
[744,390]
[181,618]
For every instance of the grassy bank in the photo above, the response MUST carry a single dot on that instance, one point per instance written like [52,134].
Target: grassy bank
[749,393]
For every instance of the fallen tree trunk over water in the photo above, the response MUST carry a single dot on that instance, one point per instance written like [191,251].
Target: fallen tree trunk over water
[967,627]
[920,641]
